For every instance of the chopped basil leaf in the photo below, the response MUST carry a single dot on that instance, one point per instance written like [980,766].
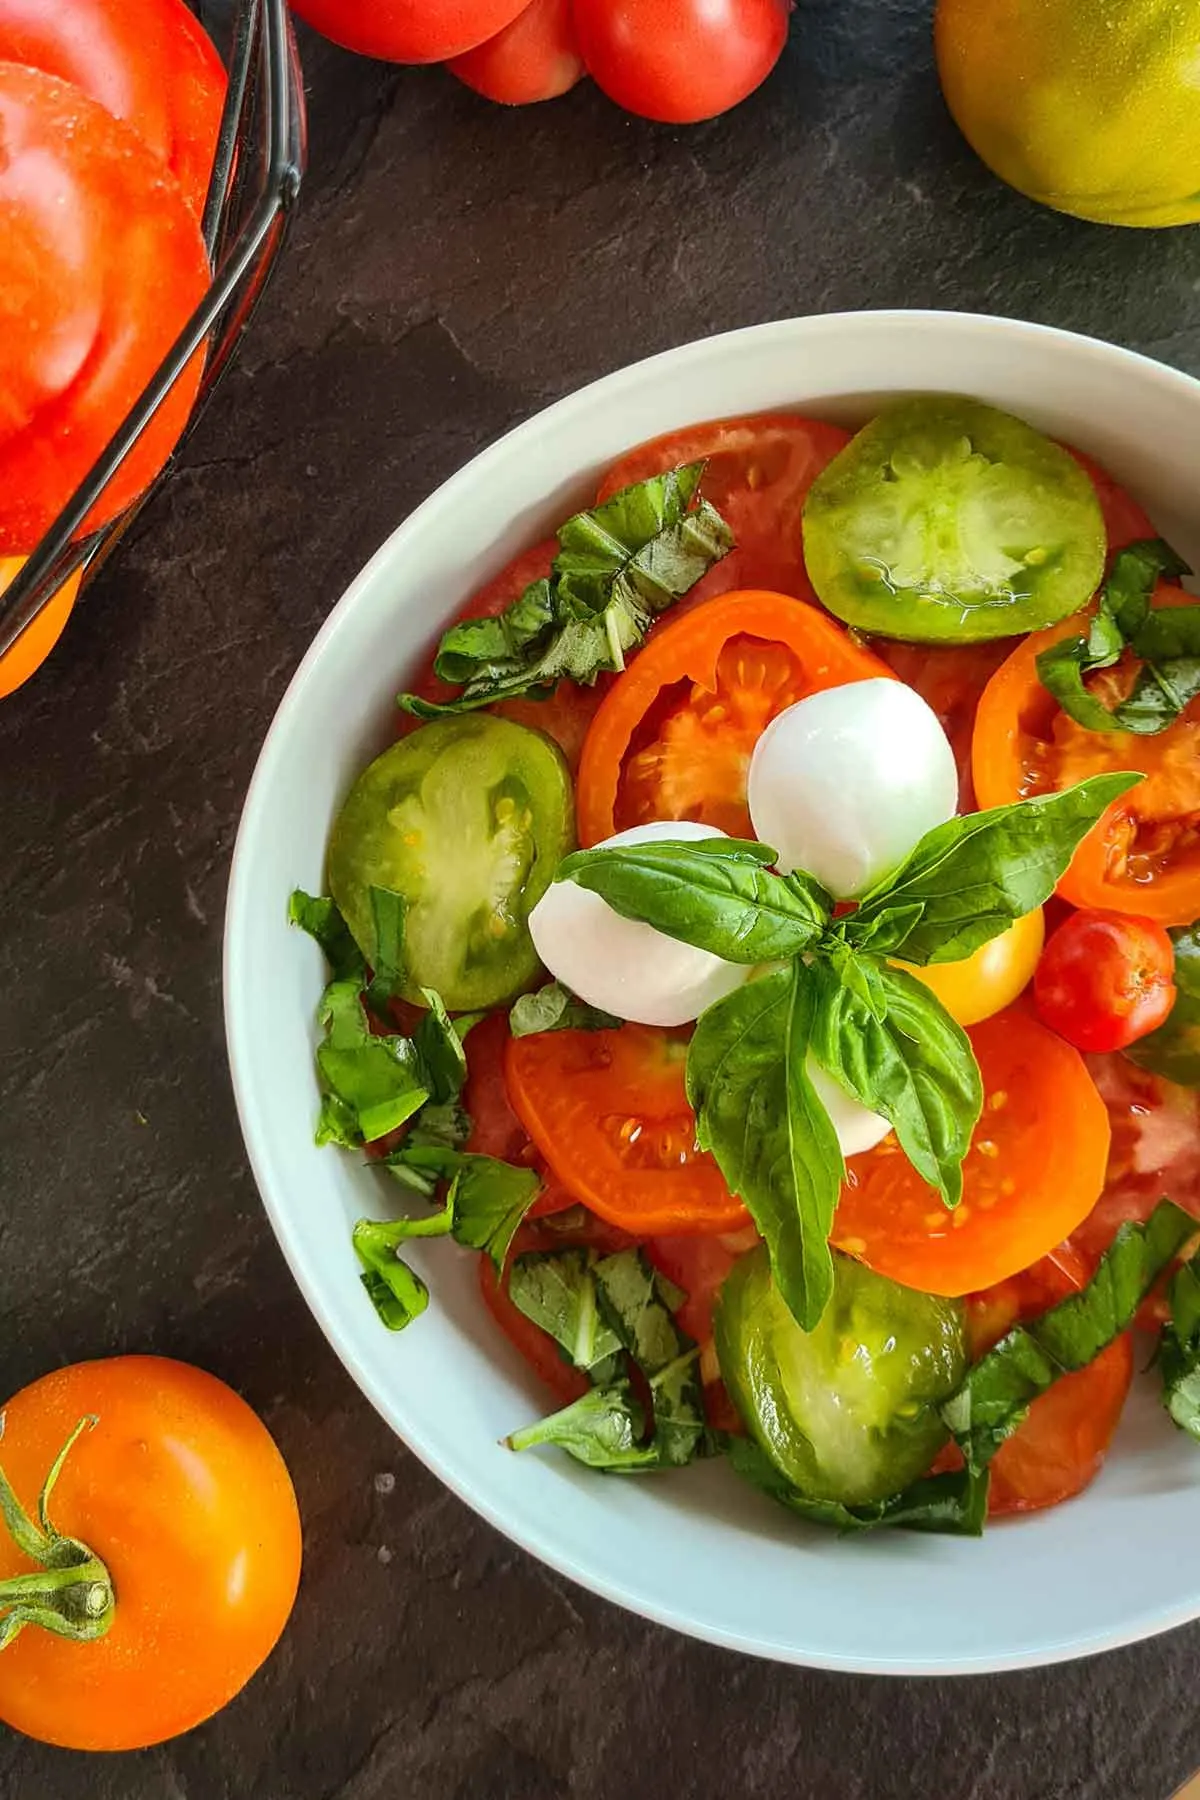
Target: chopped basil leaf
[1173,1051]
[379,1080]
[715,893]
[1166,640]
[1179,1349]
[397,1292]
[387,912]
[619,565]
[967,880]
[1000,1388]
[487,1198]
[913,1064]
[557,1290]
[758,1113]
[605,1428]
[955,1502]
[321,919]
[555,1008]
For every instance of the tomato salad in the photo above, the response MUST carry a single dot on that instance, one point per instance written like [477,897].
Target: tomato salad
[771,945]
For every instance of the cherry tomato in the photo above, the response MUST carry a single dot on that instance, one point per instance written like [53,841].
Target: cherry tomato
[757,471]
[535,58]
[103,263]
[1018,1202]
[1105,979]
[37,640]
[674,735]
[609,1113]
[681,60]
[408,31]
[180,1491]
[1143,855]
[149,62]
[991,977]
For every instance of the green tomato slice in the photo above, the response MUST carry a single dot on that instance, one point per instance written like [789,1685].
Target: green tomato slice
[848,1411]
[946,521]
[467,821]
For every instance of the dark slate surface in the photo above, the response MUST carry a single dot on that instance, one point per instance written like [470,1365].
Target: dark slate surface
[455,267]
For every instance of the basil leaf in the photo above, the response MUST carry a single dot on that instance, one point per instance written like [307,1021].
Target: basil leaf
[1173,1051]
[619,565]
[556,1289]
[487,1198]
[380,1081]
[320,918]
[757,1112]
[1179,1350]
[638,1303]
[1166,639]
[337,1123]
[1001,1386]
[387,912]
[555,1008]
[438,1041]
[605,1429]
[914,1065]
[397,1292]
[974,875]
[715,893]
[954,1503]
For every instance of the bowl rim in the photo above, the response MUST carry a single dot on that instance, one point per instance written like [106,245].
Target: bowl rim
[608,387]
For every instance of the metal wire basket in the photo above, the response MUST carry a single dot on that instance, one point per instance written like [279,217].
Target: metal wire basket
[255,181]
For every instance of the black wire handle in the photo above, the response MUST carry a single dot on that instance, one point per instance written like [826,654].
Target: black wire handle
[260,152]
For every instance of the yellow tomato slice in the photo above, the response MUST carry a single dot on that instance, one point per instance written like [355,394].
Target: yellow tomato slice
[992,977]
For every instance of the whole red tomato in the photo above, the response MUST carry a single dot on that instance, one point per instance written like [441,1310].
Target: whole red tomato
[535,58]
[680,60]
[148,62]
[102,262]
[1105,979]
[408,31]
[185,1559]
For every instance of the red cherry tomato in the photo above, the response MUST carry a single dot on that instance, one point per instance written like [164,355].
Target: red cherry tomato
[1105,979]
[680,60]
[148,62]
[408,31]
[102,264]
[535,58]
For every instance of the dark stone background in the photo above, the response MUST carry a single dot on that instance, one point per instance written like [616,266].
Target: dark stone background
[455,267]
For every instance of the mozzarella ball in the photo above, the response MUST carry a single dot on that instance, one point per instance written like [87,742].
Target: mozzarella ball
[845,782]
[622,965]
[857,1129]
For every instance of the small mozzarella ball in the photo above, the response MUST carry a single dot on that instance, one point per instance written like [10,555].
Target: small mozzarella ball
[622,965]
[857,1129]
[845,782]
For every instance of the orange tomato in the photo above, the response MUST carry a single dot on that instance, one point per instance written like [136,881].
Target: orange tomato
[1035,1168]
[37,640]
[179,1489]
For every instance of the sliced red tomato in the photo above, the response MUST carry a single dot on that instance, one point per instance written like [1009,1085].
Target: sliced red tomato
[495,1128]
[1143,855]
[568,712]
[609,1113]
[758,471]
[951,678]
[1018,1202]
[674,735]
[1124,520]
[698,1266]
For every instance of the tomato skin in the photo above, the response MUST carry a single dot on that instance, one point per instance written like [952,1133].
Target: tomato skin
[148,62]
[38,639]
[181,1491]
[408,31]
[535,58]
[992,977]
[103,263]
[1105,979]
[680,61]
[796,651]
[608,1111]
[1017,1202]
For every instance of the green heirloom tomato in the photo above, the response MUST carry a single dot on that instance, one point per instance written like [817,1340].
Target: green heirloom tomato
[848,1411]
[945,521]
[467,821]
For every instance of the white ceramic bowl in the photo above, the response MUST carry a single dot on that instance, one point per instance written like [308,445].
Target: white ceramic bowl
[695,1549]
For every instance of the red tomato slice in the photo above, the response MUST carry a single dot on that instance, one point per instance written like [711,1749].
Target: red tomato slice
[674,735]
[759,470]
[568,712]
[699,1265]
[1018,1202]
[609,1113]
[1124,520]
[495,1128]
[1062,1444]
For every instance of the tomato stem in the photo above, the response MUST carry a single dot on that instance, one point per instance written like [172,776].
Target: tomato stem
[71,1593]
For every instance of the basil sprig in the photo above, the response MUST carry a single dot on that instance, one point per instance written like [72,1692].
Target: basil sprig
[1001,1386]
[874,1029]
[1165,639]
[618,567]
[1173,1051]
[1179,1349]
